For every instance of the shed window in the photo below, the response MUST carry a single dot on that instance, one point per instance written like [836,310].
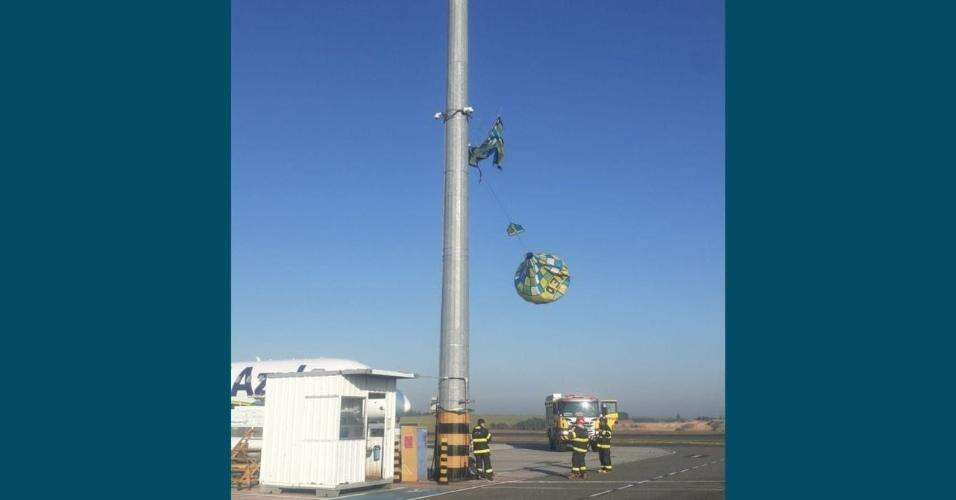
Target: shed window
[352,420]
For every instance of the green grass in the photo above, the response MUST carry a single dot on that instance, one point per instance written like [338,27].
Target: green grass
[428,421]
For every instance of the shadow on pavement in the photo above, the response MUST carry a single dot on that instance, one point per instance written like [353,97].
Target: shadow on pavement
[534,446]
[546,472]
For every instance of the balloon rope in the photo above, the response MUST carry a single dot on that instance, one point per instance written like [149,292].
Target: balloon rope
[505,212]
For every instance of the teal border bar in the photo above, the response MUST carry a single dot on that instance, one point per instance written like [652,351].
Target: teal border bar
[839,187]
[115,184]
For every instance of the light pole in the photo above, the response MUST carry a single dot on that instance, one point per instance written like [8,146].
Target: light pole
[453,370]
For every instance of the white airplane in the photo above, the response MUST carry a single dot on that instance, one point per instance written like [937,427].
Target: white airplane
[249,378]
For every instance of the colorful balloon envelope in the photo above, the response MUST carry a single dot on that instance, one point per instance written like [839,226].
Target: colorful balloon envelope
[542,278]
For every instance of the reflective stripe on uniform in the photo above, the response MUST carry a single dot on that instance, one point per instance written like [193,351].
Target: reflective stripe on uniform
[606,446]
[479,440]
[482,452]
[579,450]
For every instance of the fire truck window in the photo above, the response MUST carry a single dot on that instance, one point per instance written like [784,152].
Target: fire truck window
[585,408]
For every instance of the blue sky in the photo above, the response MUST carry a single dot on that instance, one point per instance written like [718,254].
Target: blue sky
[614,126]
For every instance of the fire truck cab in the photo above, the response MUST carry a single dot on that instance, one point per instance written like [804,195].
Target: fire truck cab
[561,410]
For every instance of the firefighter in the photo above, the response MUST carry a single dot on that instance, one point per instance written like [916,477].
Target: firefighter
[578,435]
[604,441]
[481,439]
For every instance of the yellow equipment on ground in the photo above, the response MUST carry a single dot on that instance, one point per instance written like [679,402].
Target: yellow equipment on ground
[245,463]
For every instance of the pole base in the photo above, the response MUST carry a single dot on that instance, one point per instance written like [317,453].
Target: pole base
[452,446]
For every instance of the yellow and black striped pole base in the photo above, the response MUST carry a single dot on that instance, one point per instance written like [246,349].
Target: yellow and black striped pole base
[454,437]
[398,460]
[443,463]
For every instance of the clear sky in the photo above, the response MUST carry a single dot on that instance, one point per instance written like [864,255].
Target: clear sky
[614,130]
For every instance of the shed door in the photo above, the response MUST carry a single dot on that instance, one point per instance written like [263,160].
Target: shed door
[375,441]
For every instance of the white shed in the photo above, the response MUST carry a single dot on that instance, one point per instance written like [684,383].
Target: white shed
[329,431]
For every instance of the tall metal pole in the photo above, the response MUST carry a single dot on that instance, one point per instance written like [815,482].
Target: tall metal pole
[453,372]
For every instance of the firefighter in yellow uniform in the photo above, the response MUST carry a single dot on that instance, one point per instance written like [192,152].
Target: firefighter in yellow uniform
[480,440]
[578,435]
[604,442]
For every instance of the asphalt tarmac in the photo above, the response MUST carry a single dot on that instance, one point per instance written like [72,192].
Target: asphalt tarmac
[677,472]
[687,473]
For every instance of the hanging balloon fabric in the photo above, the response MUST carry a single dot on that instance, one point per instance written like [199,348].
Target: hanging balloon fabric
[542,278]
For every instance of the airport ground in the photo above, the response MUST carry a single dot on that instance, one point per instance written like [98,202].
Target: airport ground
[685,471]
[517,437]
[620,438]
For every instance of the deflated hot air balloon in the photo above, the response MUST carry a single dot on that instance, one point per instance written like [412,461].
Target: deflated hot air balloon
[542,278]
[514,229]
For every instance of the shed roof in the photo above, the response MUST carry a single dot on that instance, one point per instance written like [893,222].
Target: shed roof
[355,371]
